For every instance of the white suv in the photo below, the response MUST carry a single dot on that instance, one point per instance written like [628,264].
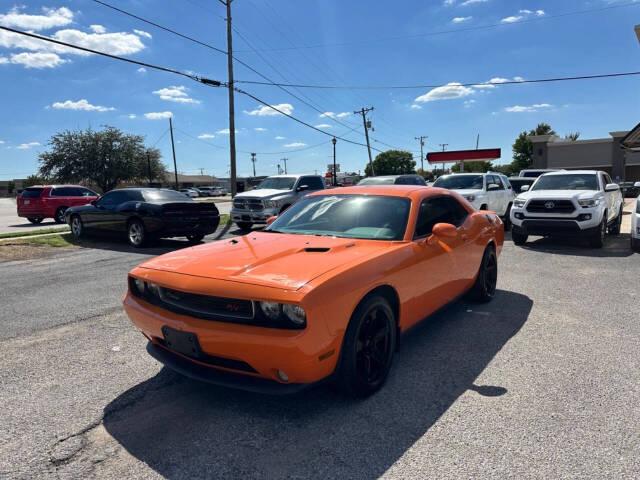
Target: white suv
[485,191]
[579,202]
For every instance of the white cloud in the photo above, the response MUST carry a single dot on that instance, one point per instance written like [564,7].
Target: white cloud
[27,146]
[176,94]
[468,103]
[449,2]
[295,144]
[512,19]
[158,115]
[97,29]
[142,33]
[260,129]
[518,79]
[142,70]
[37,60]
[225,131]
[206,135]
[323,125]
[415,106]
[51,18]
[80,105]
[264,111]
[447,92]
[471,2]
[279,137]
[521,15]
[540,13]
[4,60]
[334,115]
[460,19]
[132,116]
[529,108]
[1,142]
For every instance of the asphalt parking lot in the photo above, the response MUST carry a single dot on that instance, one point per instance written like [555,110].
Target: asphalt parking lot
[541,383]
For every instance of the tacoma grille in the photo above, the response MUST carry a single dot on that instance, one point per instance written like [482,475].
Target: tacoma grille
[551,206]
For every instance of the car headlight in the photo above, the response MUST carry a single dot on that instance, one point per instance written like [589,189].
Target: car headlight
[139,284]
[471,198]
[271,310]
[272,203]
[153,289]
[589,202]
[295,313]
[519,202]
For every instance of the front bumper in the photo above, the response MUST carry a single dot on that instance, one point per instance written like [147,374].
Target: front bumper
[582,221]
[252,216]
[259,352]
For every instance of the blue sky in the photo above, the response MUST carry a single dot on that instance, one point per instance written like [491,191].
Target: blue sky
[44,90]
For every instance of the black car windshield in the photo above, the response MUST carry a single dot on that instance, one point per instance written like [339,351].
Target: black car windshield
[577,181]
[371,217]
[155,196]
[278,183]
[377,181]
[460,182]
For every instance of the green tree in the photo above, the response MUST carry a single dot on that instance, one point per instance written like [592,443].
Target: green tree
[572,136]
[392,162]
[105,157]
[480,167]
[523,148]
[32,180]
[428,175]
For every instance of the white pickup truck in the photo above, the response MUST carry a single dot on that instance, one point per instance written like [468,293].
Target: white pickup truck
[582,203]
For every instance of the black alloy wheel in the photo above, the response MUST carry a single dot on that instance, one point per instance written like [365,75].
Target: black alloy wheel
[136,233]
[597,239]
[368,348]
[77,228]
[484,288]
[59,216]
[615,228]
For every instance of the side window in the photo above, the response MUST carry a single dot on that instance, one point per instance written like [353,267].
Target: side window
[85,192]
[315,183]
[419,180]
[108,199]
[506,183]
[493,180]
[114,198]
[132,195]
[607,179]
[439,210]
[61,192]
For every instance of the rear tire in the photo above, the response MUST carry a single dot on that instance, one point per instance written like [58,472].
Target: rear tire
[59,216]
[484,288]
[35,220]
[597,239]
[368,347]
[195,237]
[136,233]
[77,227]
[635,244]
[244,225]
[518,238]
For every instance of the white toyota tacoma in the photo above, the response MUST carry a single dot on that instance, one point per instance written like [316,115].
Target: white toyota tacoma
[582,203]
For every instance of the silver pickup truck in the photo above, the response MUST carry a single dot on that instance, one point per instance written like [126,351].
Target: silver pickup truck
[272,196]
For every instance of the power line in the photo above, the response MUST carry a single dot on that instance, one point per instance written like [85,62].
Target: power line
[472,84]
[457,30]
[115,57]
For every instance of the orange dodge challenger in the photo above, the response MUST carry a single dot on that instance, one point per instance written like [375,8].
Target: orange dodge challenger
[323,292]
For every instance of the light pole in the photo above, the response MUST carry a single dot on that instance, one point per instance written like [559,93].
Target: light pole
[335,180]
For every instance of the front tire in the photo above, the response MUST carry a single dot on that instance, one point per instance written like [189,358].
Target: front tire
[368,348]
[597,239]
[195,237]
[136,233]
[615,228]
[35,220]
[519,238]
[244,225]
[59,216]
[77,227]
[507,219]
[635,244]
[484,288]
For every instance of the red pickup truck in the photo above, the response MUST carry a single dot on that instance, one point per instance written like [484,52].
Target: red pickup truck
[50,201]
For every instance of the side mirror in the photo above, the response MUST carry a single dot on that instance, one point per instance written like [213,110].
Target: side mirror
[524,188]
[94,202]
[612,187]
[302,188]
[270,220]
[444,230]
[636,185]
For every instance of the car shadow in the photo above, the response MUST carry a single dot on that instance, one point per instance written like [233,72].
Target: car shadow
[186,429]
[615,246]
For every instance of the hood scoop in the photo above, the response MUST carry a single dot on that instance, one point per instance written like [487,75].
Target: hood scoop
[317,249]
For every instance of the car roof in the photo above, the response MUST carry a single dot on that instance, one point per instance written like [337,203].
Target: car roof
[54,186]
[570,172]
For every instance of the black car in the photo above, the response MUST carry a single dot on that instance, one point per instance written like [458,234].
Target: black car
[144,213]
[518,182]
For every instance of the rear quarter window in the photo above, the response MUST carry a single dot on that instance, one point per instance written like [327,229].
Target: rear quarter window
[31,193]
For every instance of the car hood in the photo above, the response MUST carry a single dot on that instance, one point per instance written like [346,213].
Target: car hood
[559,194]
[268,259]
[262,193]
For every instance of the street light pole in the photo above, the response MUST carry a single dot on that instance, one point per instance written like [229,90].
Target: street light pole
[335,180]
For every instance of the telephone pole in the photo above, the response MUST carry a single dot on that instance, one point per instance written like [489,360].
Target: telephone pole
[149,166]
[285,164]
[232,121]
[421,139]
[364,112]
[335,174]
[253,161]
[173,149]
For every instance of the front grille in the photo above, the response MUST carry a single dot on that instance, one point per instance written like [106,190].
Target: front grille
[551,206]
[252,204]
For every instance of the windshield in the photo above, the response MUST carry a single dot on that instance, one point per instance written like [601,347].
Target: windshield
[154,196]
[278,183]
[460,182]
[370,217]
[578,181]
[377,181]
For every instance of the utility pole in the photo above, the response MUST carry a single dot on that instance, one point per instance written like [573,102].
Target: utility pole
[285,164]
[149,166]
[421,139]
[364,112]
[232,121]
[173,149]
[335,174]
[253,161]
[201,171]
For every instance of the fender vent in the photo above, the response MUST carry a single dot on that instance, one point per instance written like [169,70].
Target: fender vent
[317,249]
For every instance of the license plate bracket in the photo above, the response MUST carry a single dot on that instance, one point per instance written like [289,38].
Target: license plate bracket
[185,343]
